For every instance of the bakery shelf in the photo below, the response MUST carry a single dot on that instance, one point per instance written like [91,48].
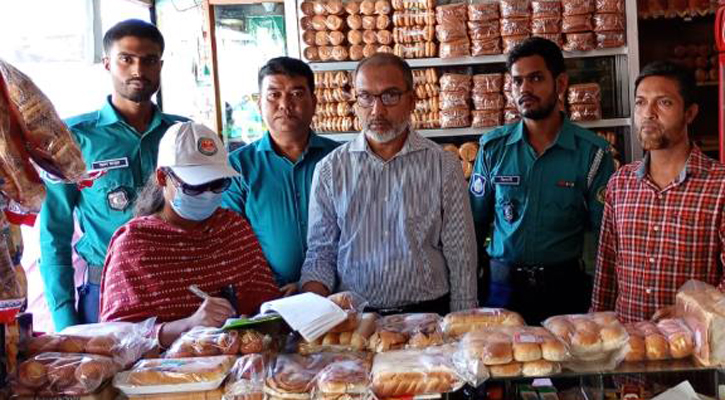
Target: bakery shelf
[438,133]
[444,62]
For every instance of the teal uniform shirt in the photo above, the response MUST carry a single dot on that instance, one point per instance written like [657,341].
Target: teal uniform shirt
[541,206]
[273,193]
[107,143]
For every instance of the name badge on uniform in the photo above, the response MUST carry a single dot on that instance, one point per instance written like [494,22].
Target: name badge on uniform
[507,180]
[110,164]
[118,199]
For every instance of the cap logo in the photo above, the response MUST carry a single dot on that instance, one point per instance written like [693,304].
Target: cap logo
[207,146]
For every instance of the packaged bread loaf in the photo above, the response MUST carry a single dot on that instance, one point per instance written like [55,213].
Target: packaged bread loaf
[487,101]
[509,42]
[64,374]
[125,342]
[165,375]
[406,331]
[486,47]
[515,8]
[546,25]
[355,339]
[413,34]
[468,151]
[452,14]
[487,83]
[484,10]
[609,22]
[413,18]
[447,33]
[416,50]
[456,48]
[345,379]
[584,93]
[579,42]
[515,26]
[577,23]
[458,323]
[426,75]
[481,30]
[452,100]
[456,118]
[607,40]
[485,119]
[206,341]
[577,7]
[546,8]
[413,4]
[610,6]
[702,306]
[585,112]
[679,337]
[246,378]
[293,375]
[415,372]
[455,82]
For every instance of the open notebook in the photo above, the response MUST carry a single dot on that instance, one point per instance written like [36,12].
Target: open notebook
[309,314]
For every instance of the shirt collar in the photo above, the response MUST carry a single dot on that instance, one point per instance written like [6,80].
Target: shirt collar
[108,115]
[414,142]
[265,143]
[564,139]
[697,165]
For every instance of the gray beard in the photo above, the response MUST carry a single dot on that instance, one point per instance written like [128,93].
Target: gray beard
[387,136]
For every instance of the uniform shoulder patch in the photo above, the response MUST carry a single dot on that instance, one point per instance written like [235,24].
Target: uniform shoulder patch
[499,133]
[478,185]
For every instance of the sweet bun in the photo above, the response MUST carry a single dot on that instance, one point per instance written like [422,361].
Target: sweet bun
[604,318]
[356,51]
[334,7]
[505,370]
[318,7]
[657,347]
[383,7]
[369,50]
[250,342]
[354,37]
[681,345]
[318,23]
[354,21]
[583,341]
[336,38]
[42,344]
[369,22]
[524,352]
[72,344]
[352,7]
[62,376]
[103,345]
[321,38]
[613,337]
[33,374]
[308,37]
[90,373]
[307,8]
[367,7]
[637,349]
[497,353]
[333,22]
[539,368]
[554,350]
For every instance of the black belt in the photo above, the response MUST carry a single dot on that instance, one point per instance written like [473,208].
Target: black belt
[533,274]
[440,305]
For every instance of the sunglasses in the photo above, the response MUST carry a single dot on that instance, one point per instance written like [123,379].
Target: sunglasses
[216,186]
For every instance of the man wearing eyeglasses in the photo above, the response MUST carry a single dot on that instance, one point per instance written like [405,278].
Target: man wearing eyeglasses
[389,214]
[121,139]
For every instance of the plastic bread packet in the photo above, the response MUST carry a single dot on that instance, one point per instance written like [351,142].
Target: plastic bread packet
[353,304]
[589,336]
[449,33]
[400,331]
[454,100]
[455,82]
[546,8]
[585,112]
[349,379]
[579,42]
[125,342]
[546,25]
[679,337]
[487,101]
[246,378]
[485,119]
[486,47]
[415,372]
[577,23]
[577,7]
[481,30]
[487,83]
[458,323]
[609,22]
[608,40]
[610,6]
[484,10]
[584,93]
[515,8]
[456,48]
[354,340]
[452,14]
[203,341]
[63,374]
[456,118]
[515,26]
[509,42]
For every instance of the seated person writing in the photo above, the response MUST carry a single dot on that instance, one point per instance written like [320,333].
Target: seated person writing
[180,237]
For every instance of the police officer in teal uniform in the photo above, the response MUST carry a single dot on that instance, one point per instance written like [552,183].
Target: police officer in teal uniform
[121,139]
[540,182]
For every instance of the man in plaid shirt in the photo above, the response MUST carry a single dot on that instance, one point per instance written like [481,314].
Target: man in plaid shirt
[663,216]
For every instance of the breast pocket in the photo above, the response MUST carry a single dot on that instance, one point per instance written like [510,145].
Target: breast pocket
[564,203]
[510,202]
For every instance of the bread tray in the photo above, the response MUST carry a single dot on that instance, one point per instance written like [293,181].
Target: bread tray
[119,381]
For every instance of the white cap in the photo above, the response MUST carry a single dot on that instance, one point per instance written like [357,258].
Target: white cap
[195,154]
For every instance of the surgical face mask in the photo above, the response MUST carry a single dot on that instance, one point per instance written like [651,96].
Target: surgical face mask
[196,208]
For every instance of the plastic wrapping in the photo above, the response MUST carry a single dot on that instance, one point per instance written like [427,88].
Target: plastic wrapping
[457,48]
[509,42]
[486,47]
[485,119]
[577,7]
[609,22]
[596,340]
[348,379]
[367,7]
[205,341]
[46,138]
[318,23]
[449,33]
[415,372]
[577,23]
[427,105]
[487,83]
[452,14]
[702,306]
[510,101]
[416,50]
[246,379]
[515,8]
[458,323]
[546,25]
[546,8]
[488,101]
[58,374]
[453,100]
[382,22]
[413,18]
[383,7]
[455,83]
[413,4]
[456,118]
[584,93]
[427,75]
[414,34]
[311,53]
[384,37]
[334,7]
[368,22]
[307,8]
[406,331]
[607,40]
[579,42]
[610,6]
[334,124]
[168,375]
[430,120]
[295,375]
[515,26]
[482,30]
[668,339]
[354,339]
[484,10]
[427,91]
[679,337]
[585,112]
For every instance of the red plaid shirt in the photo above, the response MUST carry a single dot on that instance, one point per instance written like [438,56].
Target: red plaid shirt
[652,241]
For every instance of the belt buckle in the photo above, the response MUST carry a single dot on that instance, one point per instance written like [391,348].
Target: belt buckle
[531,273]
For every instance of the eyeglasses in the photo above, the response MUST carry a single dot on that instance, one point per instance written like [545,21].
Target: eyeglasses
[216,186]
[388,98]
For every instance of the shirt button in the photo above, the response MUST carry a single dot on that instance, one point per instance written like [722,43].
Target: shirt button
[659,197]
[297,194]
[651,260]
[656,228]
[386,233]
[386,199]
[648,290]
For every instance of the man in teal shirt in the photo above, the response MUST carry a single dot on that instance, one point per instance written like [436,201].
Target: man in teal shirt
[541,183]
[122,139]
[276,170]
